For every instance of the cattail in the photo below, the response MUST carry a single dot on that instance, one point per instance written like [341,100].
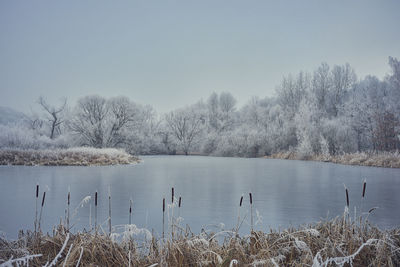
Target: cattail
[95,212]
[41,208]
[364,187]
[36,209]
[251,210]
[241,200]
[109,210]
[347,198]
[68,203]
[180,202]
[163,217]
[172,194]
[44,197]
[130,211]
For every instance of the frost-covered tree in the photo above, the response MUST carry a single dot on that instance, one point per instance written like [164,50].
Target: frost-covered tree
[186,125]
[343,79]
[54,115]
[321,85]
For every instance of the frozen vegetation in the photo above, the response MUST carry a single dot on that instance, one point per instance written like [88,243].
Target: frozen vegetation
[80,156]
[330,243]
[328,114]
[372,159]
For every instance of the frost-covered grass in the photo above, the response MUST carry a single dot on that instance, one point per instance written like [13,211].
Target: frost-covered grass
[329,243]
[373,159]
[79,156]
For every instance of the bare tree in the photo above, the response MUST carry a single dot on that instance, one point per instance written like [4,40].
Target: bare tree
[186,126]
[291,92]
[321,84]
[343,78]
[54,114]
[89,120]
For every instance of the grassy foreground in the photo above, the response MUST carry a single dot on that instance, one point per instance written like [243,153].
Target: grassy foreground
[80,156]
[330,243]
[372,159]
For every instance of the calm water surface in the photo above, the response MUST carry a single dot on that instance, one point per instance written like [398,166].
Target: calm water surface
[284,192]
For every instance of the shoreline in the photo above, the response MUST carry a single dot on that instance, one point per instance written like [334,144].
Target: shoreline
[79,156]
[380,159]
[87,156]
[325,243]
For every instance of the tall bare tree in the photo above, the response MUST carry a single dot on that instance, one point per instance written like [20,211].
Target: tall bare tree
[53,114]
[186,126]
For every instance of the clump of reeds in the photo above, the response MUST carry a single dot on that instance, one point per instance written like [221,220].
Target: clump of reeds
[79,156]
[336,242]
[327,243]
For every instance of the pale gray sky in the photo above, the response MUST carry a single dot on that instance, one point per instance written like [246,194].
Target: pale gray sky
[172,53]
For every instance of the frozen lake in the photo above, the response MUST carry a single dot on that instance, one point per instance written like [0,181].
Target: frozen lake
[284,192]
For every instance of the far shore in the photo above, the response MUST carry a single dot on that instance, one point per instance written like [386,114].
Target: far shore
[371,159]
[79,156]
[87,156]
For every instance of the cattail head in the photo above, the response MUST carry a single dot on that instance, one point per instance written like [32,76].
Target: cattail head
[163,205]
[44,196]
[364,187]
[251,198]
[69,198]
[347,198]
[130,207]
[95,199]
[37,191]
[241,200]
[180,202]
[172,194]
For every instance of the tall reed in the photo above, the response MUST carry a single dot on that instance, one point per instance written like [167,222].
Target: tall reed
[95,212]
[68,204]
[179,206]
[163,218]
[109,210]
[130,211]
[238,221]
[172,211]
[251,210]
[362,198]
[36,209]
[346,216]
[41,208]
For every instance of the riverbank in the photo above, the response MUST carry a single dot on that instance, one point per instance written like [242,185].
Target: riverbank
[331,243]
[372,159]
[79,156]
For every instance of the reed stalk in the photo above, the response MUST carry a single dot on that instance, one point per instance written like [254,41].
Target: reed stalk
[68,204]
[163,219]
[130,211]
[95,212]
[251,210]
[109,210]
[172,211]
[41,208]
[36,208]
[362,198]
[238,221]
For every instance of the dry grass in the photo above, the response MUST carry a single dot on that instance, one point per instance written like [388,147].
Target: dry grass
[372,159]
[330,243]
[66,157]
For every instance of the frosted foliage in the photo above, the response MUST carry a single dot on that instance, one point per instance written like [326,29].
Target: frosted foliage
[326,112]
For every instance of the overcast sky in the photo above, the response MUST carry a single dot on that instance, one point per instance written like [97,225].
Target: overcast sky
[172,53]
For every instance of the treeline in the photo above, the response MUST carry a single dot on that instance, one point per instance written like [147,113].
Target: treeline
[326,112]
